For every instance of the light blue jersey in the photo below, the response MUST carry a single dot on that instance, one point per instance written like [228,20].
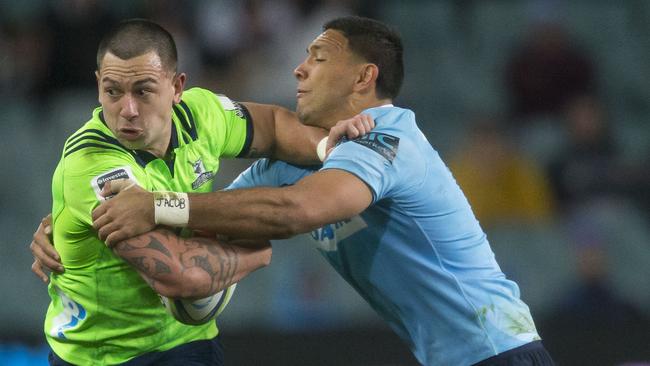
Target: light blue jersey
[417,254]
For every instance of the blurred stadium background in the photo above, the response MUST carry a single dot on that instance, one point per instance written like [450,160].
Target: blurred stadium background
[541,109]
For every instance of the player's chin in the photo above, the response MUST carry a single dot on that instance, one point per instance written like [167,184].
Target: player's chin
[305,117]
[132,141]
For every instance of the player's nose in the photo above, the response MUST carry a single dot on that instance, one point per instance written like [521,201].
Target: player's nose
[129,108]
[299,72]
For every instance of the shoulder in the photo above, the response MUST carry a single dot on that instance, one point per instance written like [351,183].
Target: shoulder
[93,149]
[92,137]
[199,99]
[281,172]
[269,172]
[197,95]
[396,131]
[206,107]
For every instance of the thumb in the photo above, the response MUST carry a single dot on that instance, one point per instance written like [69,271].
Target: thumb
[331,143]
[116,186]
[328,152]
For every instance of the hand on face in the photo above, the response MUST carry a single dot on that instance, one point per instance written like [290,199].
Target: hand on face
[128,213]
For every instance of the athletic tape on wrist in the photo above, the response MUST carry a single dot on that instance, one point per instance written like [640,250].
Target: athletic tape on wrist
[171,208]
[320,149]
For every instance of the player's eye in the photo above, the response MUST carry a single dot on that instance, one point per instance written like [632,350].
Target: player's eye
[319,59]
[111,92]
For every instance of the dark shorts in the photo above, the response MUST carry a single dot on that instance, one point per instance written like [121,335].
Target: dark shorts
[531,354]
[197,353]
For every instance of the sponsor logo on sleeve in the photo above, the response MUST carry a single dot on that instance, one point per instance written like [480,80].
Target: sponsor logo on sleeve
[230,105]
[99,181]
[381,143]
[202,175]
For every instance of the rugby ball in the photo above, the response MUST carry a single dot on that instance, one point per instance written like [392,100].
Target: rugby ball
[201,311]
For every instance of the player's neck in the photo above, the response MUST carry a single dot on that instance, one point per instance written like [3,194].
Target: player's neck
[353,107]
[378,103]
[359,105]
[162,146]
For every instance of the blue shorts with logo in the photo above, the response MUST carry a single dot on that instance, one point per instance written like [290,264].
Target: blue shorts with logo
[198,353]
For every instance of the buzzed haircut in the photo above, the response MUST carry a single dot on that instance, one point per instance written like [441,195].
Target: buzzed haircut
[135,37]
[376,43]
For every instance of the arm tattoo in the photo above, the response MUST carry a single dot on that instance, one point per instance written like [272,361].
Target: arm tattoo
[162,257]
[153,244]
[139,264]
[219,262]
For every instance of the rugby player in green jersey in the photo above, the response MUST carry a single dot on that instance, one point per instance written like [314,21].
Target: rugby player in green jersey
[151,131]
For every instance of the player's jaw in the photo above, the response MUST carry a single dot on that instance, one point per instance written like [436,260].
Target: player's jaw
[303,109]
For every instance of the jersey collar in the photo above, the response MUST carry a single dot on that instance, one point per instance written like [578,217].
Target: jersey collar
[144,157]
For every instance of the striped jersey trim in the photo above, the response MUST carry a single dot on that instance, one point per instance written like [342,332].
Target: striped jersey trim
[249,132]
[94,138]
[91,135]
[184,114]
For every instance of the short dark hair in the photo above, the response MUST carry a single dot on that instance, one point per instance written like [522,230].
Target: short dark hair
[135,37]
[376,43]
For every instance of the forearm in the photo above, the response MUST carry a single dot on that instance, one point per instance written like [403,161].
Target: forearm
[279,134]
[264,212]
[295,142]
[189,267]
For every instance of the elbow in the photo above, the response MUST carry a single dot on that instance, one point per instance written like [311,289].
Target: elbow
[194,286]
[185,289]
[301,218]
[180,284]
[168,291]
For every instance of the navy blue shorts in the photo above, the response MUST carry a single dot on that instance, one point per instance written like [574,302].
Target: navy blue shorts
[531,354]
[198,353]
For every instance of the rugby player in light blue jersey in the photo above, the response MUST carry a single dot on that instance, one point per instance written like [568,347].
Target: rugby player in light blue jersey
[384,210]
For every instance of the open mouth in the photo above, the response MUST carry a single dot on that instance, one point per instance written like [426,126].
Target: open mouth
[301,93]
[130,133]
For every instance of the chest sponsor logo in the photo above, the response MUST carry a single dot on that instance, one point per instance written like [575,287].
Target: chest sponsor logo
[202,175]
[328,236]
[381,143]
[98,182]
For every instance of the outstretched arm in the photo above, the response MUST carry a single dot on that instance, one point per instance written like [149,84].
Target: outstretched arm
[277,133]
[191,267]
[321,198]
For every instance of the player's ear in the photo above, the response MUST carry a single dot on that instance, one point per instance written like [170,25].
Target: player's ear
[367,77]
[179,84]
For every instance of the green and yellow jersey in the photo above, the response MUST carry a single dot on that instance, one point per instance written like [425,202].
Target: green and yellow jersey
[101,310]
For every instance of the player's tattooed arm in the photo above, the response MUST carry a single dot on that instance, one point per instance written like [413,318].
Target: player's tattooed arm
[190,267]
